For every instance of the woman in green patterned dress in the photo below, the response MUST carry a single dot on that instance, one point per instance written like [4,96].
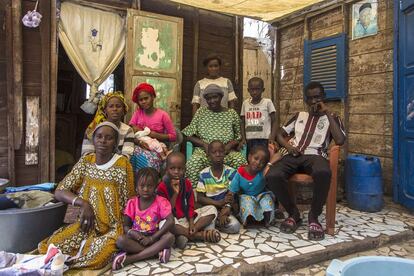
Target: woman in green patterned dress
[210,123]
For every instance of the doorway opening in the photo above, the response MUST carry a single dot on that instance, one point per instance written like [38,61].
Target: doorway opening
[71,120]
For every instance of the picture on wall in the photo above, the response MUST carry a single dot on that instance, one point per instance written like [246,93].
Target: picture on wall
[364,19]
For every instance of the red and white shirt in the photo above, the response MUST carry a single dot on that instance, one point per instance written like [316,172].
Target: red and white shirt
[311,133]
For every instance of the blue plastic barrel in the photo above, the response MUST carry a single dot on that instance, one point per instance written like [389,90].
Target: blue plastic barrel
[364,190]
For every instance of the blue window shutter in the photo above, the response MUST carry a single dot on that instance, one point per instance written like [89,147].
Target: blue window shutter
[324,61]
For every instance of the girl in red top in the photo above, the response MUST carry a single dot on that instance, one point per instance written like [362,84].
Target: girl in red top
[190,224]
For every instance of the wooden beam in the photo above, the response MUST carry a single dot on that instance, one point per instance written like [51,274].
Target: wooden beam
[10,97]
[345,29]
[17,71]
[53,88]
[128,70]
[276,75]
[105,5]
[136,4]
[239,60]
[236,51]
[44,137]
[306,29]
[196,32]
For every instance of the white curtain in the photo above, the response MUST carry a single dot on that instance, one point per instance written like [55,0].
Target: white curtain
[94,41]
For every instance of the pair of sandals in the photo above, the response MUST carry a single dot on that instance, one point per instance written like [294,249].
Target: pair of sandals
[315,229]
[118,262]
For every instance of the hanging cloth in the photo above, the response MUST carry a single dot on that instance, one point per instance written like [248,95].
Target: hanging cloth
[94,41]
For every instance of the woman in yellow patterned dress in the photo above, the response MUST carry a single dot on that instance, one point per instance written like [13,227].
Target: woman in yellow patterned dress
[100,184]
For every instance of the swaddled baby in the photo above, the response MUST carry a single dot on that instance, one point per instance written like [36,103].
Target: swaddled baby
[153,144]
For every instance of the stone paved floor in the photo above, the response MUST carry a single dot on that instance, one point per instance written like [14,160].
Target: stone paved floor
[253,246]
[404,250]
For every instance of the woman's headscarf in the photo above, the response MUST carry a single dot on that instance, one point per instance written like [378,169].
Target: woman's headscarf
[100,114]
[213,89]
[111,125]
[142,87]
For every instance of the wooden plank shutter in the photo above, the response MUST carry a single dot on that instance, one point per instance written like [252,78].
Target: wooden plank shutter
[324,62]
[154,55]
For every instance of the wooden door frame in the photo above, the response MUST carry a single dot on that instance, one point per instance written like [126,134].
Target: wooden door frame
[396,176]
[53,89]
[397,179]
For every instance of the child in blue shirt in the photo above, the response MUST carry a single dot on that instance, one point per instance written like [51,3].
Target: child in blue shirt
[255,202]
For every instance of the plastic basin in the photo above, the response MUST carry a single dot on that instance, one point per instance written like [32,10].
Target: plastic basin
[23,229]
[371,265]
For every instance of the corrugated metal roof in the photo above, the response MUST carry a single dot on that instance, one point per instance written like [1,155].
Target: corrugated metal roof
[266,10]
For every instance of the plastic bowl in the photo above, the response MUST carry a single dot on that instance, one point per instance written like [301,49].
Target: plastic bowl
[371,265]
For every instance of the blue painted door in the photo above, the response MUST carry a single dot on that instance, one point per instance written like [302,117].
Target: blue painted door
[404,104]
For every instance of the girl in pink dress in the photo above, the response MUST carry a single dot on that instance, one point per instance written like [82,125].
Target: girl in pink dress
[144,236]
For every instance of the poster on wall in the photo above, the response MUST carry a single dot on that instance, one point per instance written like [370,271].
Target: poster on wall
[364,19]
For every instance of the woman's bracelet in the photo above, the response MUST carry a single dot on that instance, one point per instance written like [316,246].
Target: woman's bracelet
[74,200]
[269,164]
[227,205]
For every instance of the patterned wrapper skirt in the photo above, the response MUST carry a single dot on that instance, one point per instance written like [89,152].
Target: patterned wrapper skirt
[143,158]
[256,206]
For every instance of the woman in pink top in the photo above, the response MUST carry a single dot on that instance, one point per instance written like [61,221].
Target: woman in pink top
[156,120]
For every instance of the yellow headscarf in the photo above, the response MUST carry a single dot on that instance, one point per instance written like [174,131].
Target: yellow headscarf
[100,114]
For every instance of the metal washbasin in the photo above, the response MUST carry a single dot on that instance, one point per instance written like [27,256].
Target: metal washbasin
[22,229]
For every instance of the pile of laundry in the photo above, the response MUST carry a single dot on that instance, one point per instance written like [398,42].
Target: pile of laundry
[50,264]
[24,197]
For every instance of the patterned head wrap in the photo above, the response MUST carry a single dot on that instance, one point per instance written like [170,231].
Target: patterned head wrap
[100,114]
[142,87]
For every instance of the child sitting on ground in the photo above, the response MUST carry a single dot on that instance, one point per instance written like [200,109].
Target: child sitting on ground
[212,188]
[255,202]
[143,235]
[190,224]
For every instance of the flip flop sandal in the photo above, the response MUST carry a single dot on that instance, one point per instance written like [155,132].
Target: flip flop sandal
[279,214]
[118,262]
[315,232]
[212,235]
[290,225]
[165,255]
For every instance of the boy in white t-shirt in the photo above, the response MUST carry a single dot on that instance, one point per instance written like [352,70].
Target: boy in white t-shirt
[258,116]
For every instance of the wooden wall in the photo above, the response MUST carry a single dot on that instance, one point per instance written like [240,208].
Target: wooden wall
[368,110]
[4,163]
[205,32]
[256,63]
[33,65]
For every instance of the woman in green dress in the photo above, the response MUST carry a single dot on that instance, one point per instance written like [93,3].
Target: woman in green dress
[210,123]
